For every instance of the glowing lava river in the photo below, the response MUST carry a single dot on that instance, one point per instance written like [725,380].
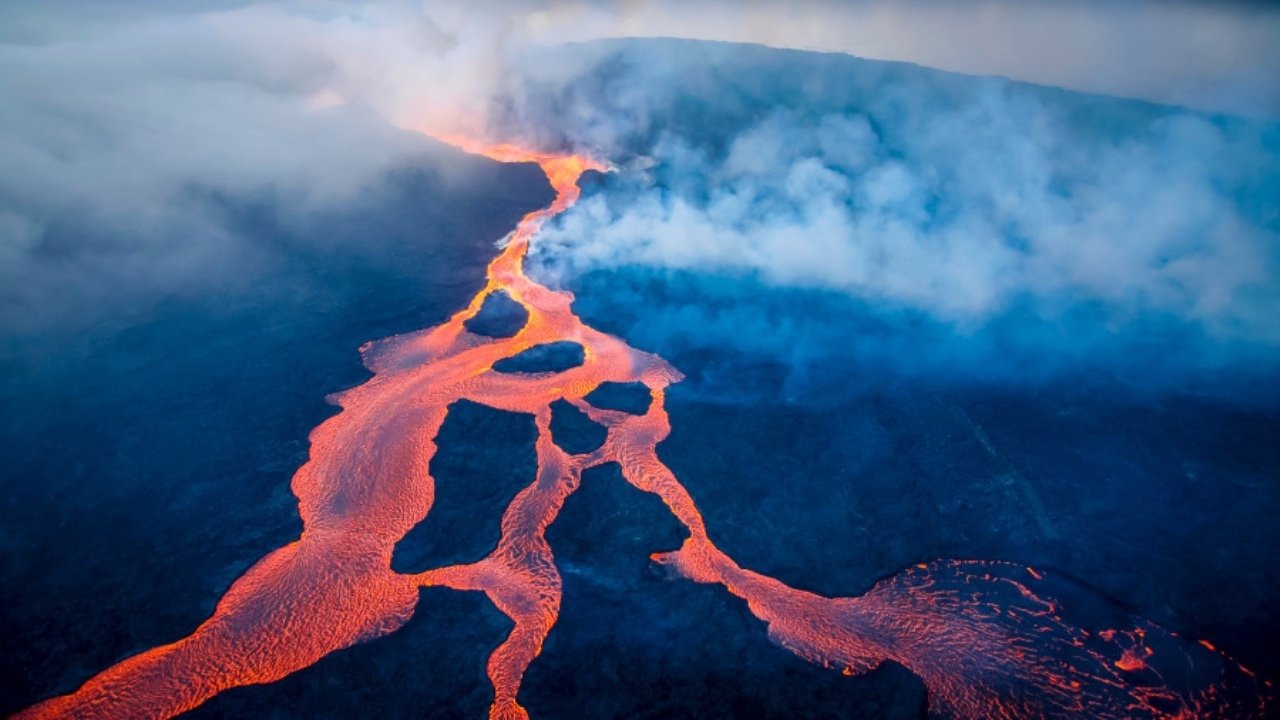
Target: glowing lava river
[987,638]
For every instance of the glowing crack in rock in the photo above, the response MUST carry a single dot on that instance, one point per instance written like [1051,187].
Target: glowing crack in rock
[986,639]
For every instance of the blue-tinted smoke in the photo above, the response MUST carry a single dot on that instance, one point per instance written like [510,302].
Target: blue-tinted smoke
[925,220]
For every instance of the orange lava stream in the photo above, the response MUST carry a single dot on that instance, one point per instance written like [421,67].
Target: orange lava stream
[985,644]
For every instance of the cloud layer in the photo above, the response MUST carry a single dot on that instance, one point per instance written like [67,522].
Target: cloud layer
[963,200]
[960,212]
[1070,225]
[118,125]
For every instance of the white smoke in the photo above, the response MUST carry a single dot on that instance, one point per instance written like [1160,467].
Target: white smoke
[111,113]
[983,208]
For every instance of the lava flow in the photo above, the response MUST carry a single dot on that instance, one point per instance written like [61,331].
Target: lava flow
[980,635]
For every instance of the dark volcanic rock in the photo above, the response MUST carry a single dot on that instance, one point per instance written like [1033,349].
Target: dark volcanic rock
[632,397]
[669,648]
[499,316]
[573,431]
[483,458]
[549,357]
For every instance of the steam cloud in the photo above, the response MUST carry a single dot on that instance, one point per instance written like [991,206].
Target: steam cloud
[958,206]
[117,122]
[1018,226]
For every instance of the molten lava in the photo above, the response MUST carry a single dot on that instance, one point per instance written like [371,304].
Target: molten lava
[985,642]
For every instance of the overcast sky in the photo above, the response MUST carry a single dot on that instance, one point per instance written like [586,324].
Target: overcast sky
[1219,55]
[1210,55]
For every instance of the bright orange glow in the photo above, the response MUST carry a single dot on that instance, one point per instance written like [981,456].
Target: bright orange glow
[984,642]
[1130,661]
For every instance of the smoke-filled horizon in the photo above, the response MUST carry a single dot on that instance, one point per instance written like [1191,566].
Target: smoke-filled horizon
[1077,226]
[128,129]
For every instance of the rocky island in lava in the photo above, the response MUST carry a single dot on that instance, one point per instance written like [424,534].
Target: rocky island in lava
[694,379]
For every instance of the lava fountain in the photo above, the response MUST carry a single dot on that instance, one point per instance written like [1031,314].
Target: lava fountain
[986,637]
